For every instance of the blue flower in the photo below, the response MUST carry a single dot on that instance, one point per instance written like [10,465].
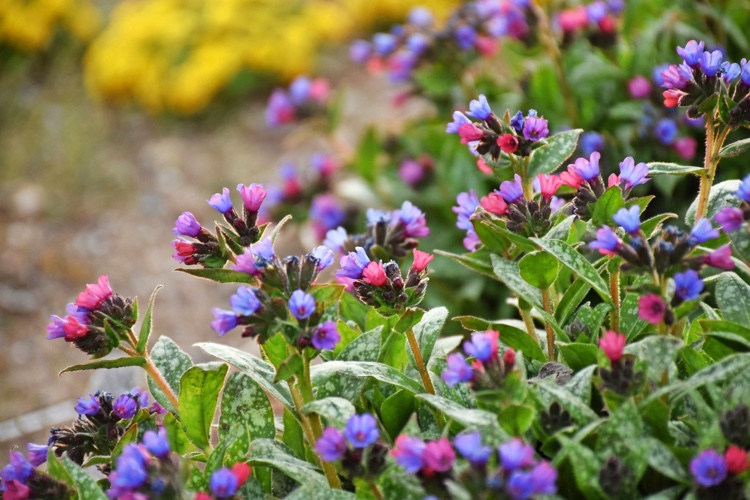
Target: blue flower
[708,468]
[301,304]
[512,191]
[187,225]
[688,285]
[459,119]
[515,454]
[375,216]
[417,43]
[299,90]
[384,43]
[335,239]
[263,251]
[156,442]
[745,72]
[420,17]
[730,71]
[586,169]
[88,406]
[353,264]
[711,62]
[326,336]
[465,37]
[544,478]
[596,11]
[702,232]
[326,212]
[633,174]
[245,302]
[332,445]
[629,219]
[479,109]
[480,347]
[467,204]
[743,192]
[125,406]
[37,453]
[360,50]
[221,202]
[224,321]
[666,131]
[692,52]
[323,255]
[223,484]
[362,430]
[517,121]
[520,485]
[409,453]
[469,444]
[457,370]
[18,469]
[590,142]
[131,468]
[606,241]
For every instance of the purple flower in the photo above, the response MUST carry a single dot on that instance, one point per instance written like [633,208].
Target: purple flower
[353,264]
[88,406]
[633,174]
[130,473]
[280,109]
[515,454]
[467,204]
[326,336]
[408,452]
[299,90]
[413,220]
[420,17]
[710,62]
[375,216]
[335,239]
[480,347]
[439,455]
[520,485]
[692,52]
[457,370]
[730,218]
[471,241]
[702,232]
[743,192]
[301,304]
[224,321]
[469,445]
[360,50]
[606,241]
[331,446]
[596,11]
[459,120]
[252,196]
[125,406]
[417,42]
[223,483]
[688,285]
[255,258]
[535,128]
[666,131]
[479,109]
[18,468]
[465,37]
[708,468]
[676,77]
[412,172]
[37,453]
[517,122]
[245,302]
[384,43]
[187,225]
[590,142]
[586,169]
[544,479]
[326,213]
[730,71]
[362,430]
[745,72]
[323,255]
[629,219]
[157,443]
[512,191]
[221,202]
[721,258]
[140,396]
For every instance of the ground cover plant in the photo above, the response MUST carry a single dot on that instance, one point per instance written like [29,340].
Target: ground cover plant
[604,354]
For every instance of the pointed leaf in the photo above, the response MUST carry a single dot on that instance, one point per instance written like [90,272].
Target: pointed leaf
[734,149]
[661,168]
[219,275]
[559,147]
[147,324]
[85,485]
[365,369]
[428,330]
[570,258]
[509,273]
[107,363]
[722,195]
[733,297]
[268,452]
[481,420]
[366,347]
[198,398]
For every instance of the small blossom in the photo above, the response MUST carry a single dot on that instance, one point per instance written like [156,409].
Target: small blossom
[613,344]
[412,172]
[458,370]
[651,308]
[517,122]
[471,241]
[730,71]
[494,203]
[420,17]
[469,445]
[187,225]
[688,285]
[535,129]
[336,238]
[332,445]
[18,468]
[520,485]
[730,218]
[301,304]
[413,220]
[515,454]
[710,62]
[483,345]
[512,191]
[672,97]
[131,470]
[743,193]
[666,131]
[94,294]
[571,179]
[469,132]
[421,259]
[408,452]
[252,196]
[483,167]
[323,255]
[157,443]
[362,430]
[629,219]
[590,142]
[242,472]
[280,109]
[702,232]
[467,204]
[360,50]
[479,109]
[465,37]
[459,120]
[606,241]
[692,52]
[676,77]
[639,87]
[439,455]
[223,484]
[508,143]
[125,406]
[353,264]
[37,453]
[374,274]
[736,459]
[224,321]
[221,202]
[544,479]
[184,251]
[88,406]
[586,169]
[633,174]
[384,43]
[685,147]
[326,336]
[708,468]
[720,258]
[245,302]
[548,185]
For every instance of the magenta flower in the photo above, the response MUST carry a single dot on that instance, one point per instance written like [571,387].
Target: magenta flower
[721,258]
[651,308]
[408,452]
[326,336]
[548,185]
[252,196]
[613,345]
[94,294]
[421,259]
[374,274]
[439,455]
[730,218]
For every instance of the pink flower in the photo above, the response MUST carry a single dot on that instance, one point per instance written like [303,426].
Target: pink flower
[639,87]
[685,147]
[242,472]
[571,179]
[508,143]
[672,97]
[483,167]
[509,357]
[94,294]
[74,329]
[252,196]
[736,459]
[374,274]
[548,185]
[721,258]
[613,344]
[573,19]
[651,307]
[320,90]
[494,204]
[486,45]
[613,180]
[421,259]
[439,455]
[470,132]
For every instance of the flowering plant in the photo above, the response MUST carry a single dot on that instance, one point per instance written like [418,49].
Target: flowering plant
[614,374]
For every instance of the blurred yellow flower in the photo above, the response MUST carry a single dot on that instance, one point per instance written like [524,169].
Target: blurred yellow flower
[29,25]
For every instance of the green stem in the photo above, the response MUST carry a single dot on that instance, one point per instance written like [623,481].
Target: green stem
[614,292]
[715,138]
[528,321]
[160,381]
[376,491]
[527,182]
[423,373]
[548,326]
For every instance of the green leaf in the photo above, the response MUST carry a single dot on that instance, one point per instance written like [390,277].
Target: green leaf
[219,275]
[630,323]
[652,225]
[497,238]
[327,294]
[147,324]
[509,273]
[428,330]
[260,371]
[396,411]
[353,310]
[200,385]
[733,298]
[291,367]
[85,485]
[585,466]
[539,269]
[520,341]
[293,436]
[130,436]
[570,258]
[734,149]
[549,391]
[272,454]
[659,351]
[559,147]
[336,411]
[365,163]
[246,414]
[578,356]
[661,168]
[107,363]
[55,468]
[178,440]
[606,206]
[561,230]
[722,195]
[474,261]
[516,419]
[172,362]
[481,420]
[274,350]
[570,300]
[366,347]
[661,458]
[364,369]
[309,491]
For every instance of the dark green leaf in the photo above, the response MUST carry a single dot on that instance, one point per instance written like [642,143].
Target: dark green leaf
[570,258]
[246,414]
[733,297]
[480,420]
[652,225]
[366,347]
[396,411]
[509,273]
[559,147]
[606,206]
[520,341]
[516,419]
[200,387]
[147,324]
[661,168]
[85,485]
[476,261]
[219,275]
[570,300]
[578,356]
[107,363]
[291,367]
[428,330]
[539,269]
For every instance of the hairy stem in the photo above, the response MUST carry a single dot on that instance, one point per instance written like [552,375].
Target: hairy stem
[614,292]
[715,138]
[548,326]
[528,321]
[423,373]
[160,381]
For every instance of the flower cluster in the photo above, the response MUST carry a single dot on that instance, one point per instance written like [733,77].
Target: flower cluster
[732,218]
[97,321]
[487,370]
[716,473]
[356,448]
[621,377]
[416,172]
[596,20]
[474,27]
[226,482]
[239,231]
[513,471]
[19,480]
[305,97]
